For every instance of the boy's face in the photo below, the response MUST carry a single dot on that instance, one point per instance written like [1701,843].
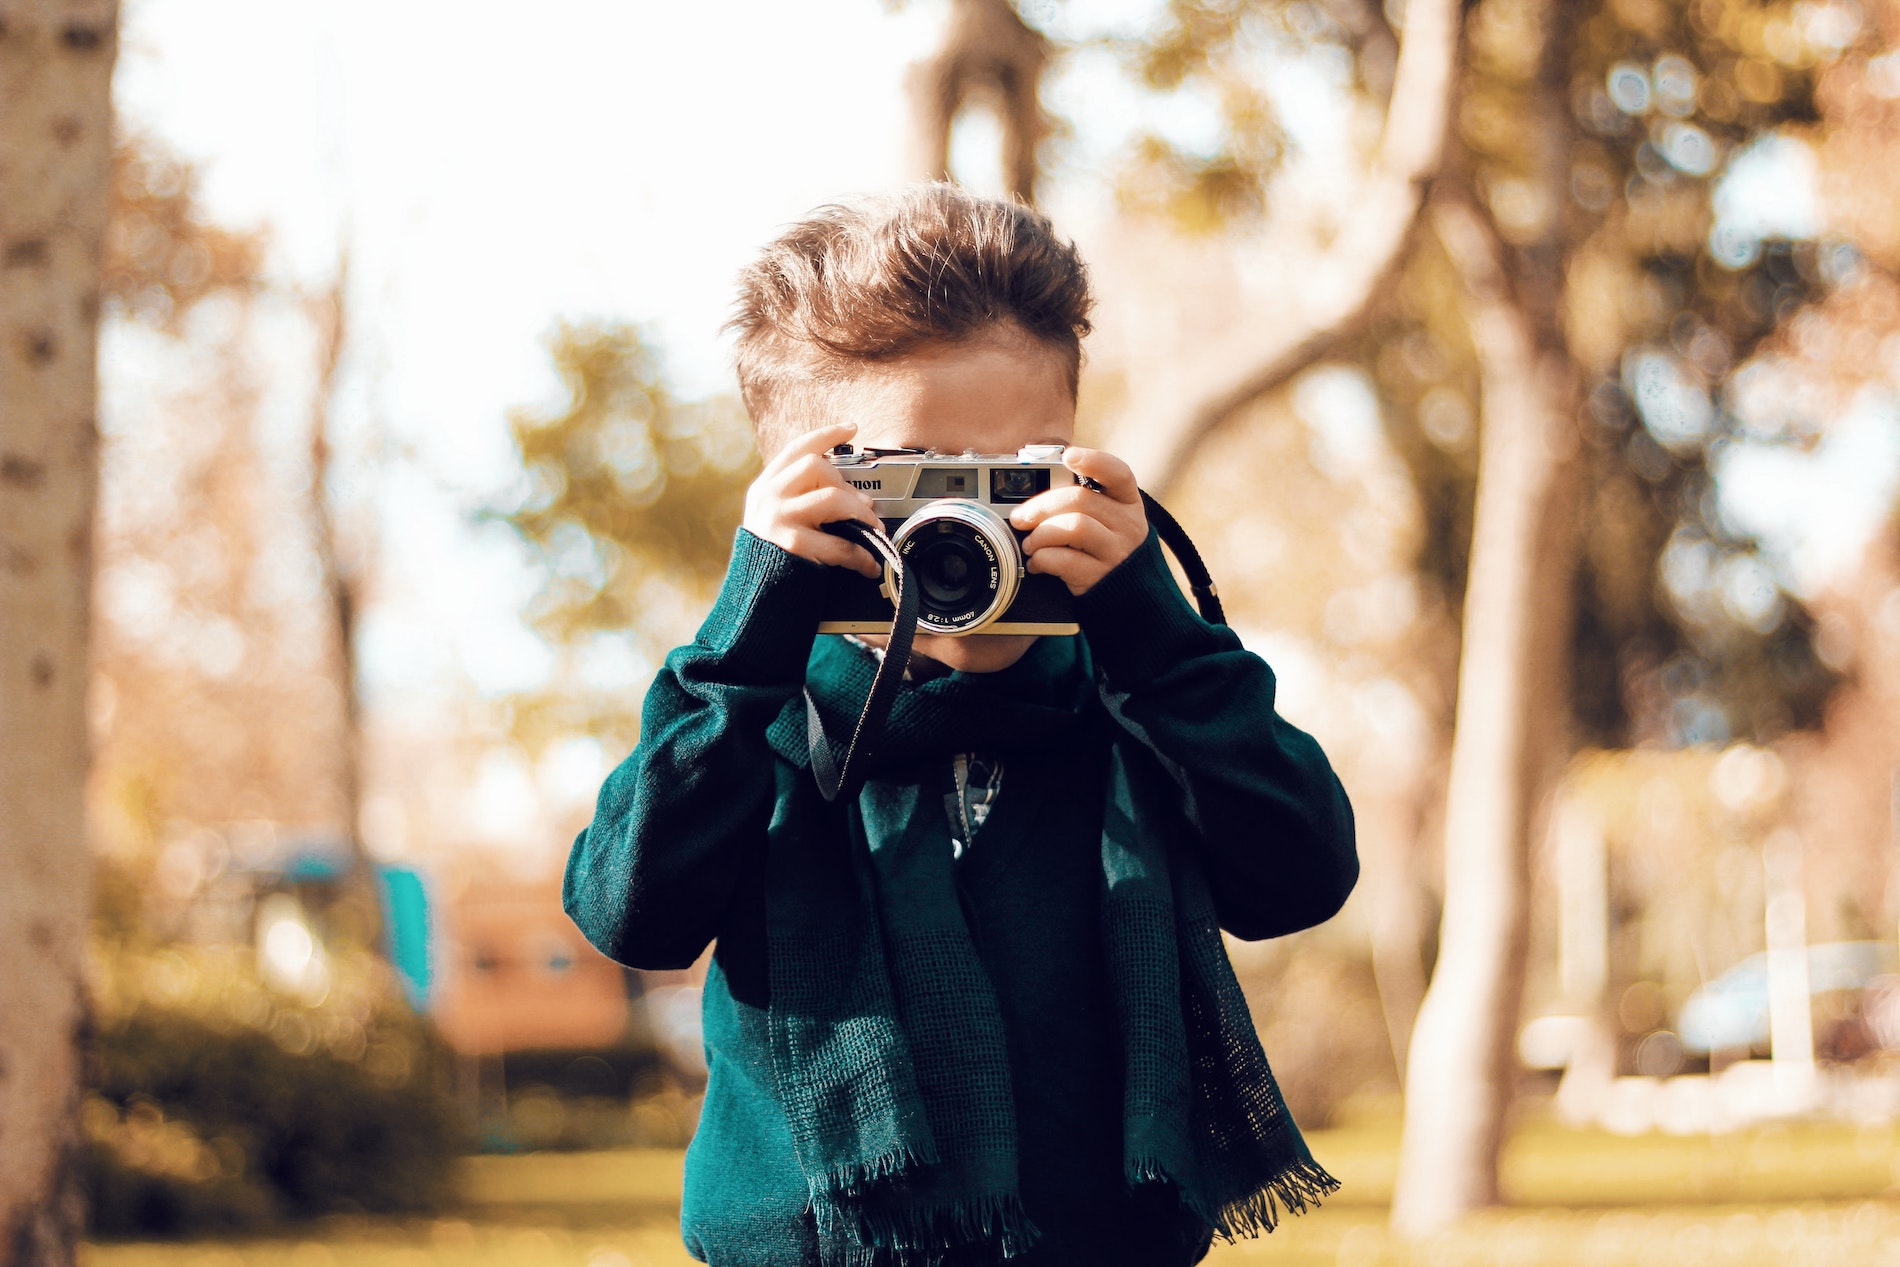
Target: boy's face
[991,395]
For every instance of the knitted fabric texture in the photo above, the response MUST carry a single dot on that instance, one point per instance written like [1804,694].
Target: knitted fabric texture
[887,1043]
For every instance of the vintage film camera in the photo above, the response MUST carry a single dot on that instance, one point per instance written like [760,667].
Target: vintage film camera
[948,515]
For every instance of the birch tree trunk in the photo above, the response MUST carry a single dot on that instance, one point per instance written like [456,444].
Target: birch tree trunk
[1167,419]
[56,61]
[1461,1061]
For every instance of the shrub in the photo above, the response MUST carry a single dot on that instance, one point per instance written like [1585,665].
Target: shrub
[217,1104]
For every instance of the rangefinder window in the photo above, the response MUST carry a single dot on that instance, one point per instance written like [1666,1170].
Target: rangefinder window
[944,481]
[1017,483]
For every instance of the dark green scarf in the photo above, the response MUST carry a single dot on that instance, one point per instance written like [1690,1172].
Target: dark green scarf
[887,1043]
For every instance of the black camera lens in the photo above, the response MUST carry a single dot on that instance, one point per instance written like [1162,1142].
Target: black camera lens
[1017,484]
[950,568]
[963,560]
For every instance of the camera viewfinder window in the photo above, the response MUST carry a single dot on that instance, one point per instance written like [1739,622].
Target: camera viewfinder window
[1017,483]
[940,481]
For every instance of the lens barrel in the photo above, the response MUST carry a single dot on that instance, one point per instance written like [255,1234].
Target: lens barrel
[965,561]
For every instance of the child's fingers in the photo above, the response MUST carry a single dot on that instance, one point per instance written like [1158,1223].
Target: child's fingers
[1057,501]
[829,504]
[1078,571]
[798,491]
[798,468]
[1111,496]
[1074,531]
[822,547]
[1079,499]
[1116,477]
[1082,519]
[803,474]
[815,442]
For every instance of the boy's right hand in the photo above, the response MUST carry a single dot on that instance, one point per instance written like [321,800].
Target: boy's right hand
[800,491]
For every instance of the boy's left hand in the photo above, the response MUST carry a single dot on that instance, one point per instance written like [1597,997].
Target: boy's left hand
[1079,534]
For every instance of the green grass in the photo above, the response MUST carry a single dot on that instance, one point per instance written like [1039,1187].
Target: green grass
[1815,1193]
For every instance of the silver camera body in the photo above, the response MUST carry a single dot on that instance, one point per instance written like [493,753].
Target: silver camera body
[948,516]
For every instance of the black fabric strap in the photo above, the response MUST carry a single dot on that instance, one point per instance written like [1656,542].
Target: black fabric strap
[832,779]
[1176,539]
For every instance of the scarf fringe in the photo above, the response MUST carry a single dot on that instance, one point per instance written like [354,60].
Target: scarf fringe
[1292,1191]
[853,1178]
[921,1235]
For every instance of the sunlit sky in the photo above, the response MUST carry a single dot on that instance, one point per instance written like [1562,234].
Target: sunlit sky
[584,158]
[494,169]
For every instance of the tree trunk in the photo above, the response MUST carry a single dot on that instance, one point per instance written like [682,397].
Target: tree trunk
[341,573]
[1167,420]
[989,54]
[56,61]
[1461,1061]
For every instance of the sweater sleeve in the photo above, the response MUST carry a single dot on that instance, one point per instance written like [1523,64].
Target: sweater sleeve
[681,824]
[1273,823]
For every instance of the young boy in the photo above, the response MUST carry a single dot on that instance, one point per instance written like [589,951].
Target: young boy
[982,1011]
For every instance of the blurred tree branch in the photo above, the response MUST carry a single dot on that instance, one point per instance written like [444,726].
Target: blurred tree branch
[163,256]
[342,576]
[989,55]
[1165,421]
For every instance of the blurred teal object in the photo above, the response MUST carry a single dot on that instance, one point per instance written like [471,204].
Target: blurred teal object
[313,857]
[406,931]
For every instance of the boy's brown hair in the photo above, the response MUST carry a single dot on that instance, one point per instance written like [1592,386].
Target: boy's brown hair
[881,277]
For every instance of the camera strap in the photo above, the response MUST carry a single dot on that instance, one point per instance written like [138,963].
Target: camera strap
[1174,536]
[833,779]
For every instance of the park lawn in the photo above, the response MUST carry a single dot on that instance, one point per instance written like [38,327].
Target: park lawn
[1810,1193]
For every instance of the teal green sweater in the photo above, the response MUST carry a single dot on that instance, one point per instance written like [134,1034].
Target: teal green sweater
[674,859]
